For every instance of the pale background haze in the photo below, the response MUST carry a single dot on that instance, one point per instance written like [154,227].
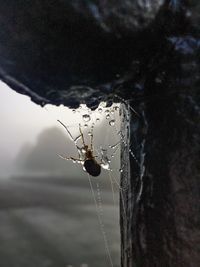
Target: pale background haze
[48,216]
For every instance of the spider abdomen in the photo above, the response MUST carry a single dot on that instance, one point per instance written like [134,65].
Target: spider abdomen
[92,167]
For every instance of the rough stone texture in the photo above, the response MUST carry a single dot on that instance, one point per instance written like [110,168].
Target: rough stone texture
[169,210]
[54,50]
[71,52]
[120,17]
[164,205]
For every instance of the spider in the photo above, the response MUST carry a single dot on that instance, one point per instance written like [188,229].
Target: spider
[86,157]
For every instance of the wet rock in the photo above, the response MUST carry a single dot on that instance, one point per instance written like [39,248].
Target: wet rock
[117,16]
[185,45]
[193,14]
[51,49]
[163,225]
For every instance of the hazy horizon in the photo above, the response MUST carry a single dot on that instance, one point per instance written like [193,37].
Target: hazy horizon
[23,123]
[48,216]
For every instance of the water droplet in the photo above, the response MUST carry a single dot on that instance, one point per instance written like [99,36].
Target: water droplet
[115,145]
[107,111]
[105,162]
[121,170]
[112,122]
[85,125]
[116,108]
[103,104]
[89,133]
[83,150]
[97,119]
[84,168]
[86,117]
[108,116]
[73,110]
[100,110]
[105,165]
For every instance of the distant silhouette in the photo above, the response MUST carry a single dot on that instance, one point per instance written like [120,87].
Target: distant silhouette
[43,156]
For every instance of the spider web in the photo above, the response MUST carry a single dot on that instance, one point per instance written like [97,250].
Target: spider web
[103,134]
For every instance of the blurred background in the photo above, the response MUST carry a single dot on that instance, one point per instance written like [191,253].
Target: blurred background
[48,215]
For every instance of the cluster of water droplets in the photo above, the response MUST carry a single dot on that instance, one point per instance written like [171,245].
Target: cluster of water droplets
[105,161]
[89,120]
[110,116]
[86,117]
[109,112]
[85,132]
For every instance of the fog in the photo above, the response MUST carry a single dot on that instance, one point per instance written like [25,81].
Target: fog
[42,156]
[21,123]
[48,216]
[26,126]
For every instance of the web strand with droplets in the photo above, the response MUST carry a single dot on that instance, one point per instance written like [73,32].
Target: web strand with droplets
[99,211]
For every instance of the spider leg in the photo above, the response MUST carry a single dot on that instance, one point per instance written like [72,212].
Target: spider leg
[82,136]
[70,135]
[91,138]
[75,142]
[69,158]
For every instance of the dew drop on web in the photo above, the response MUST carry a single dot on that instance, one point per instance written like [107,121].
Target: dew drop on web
[105,165]
[116,108]
[112,122]
[86,117]
[83,150]
[105,162]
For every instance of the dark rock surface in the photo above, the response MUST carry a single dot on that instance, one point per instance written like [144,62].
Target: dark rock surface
[75,52]
[56,50]
[164,206]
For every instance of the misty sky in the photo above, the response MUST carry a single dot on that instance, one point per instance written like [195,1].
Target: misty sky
[22,123]
[31,139]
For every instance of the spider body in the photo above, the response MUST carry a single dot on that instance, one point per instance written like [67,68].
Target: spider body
[90,164]
[92,167]
[86,157]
